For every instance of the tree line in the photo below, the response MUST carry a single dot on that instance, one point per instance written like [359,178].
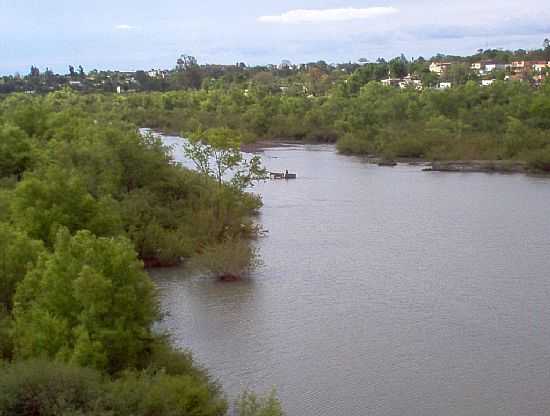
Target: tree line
[504,121]
[85,200]
[313,78]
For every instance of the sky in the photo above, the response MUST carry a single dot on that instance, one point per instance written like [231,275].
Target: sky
[139,34]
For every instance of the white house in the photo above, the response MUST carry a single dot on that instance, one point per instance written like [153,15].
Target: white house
[540,66]
[445,85]
[391,82]
[410,82]
[494,66]
[439,67]
[476,66]
[487,82]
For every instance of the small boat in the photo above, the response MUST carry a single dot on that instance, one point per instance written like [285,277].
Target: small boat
[282,175]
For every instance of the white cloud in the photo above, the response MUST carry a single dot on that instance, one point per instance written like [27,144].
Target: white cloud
[328,15]
[124,27]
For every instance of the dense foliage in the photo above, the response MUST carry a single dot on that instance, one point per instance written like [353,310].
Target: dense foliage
[85,199]
[507,120]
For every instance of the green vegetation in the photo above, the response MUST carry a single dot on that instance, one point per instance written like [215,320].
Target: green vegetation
[249,404]
[46,388]
[85,199]
[229,259]
[507,120]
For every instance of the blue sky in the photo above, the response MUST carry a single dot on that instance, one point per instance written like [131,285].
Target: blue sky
[138,34]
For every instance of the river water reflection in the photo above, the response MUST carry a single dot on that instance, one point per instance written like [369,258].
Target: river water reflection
[384,291]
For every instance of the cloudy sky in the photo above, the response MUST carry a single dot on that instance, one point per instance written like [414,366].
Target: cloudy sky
[139,34]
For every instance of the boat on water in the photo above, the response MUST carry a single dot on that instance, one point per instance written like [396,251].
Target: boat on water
[282,175]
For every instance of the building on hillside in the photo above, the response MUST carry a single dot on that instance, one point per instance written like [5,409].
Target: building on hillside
[157,73]
[484,67]
[410,82]
[407,82]
[540,66]
[285,64]
[520,67]
[476,66]
[489,66]
[487,82]
[445,85]
[439,67]
[391,82]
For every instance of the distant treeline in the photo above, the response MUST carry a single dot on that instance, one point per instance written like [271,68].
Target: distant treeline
[507,120]
[314,78]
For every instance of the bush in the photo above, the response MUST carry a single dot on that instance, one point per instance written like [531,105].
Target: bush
[540,160]
[45,388]
[350,144]
[6,341]
[249,404]
[232,258]
[406,147]
[144,394]
[42,388]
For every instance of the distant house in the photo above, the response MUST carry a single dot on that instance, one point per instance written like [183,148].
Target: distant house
[520,67]
[407,82]
[410,82]
[540,66]
[476,66]
[391,82]
[154,73]
[445,85]
[489,66]
[439,67]
[487,82]
[285,64]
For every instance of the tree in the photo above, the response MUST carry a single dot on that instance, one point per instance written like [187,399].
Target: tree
[15,151]
[216,153]
[56,197]
[35,72]
[249,404]
[398,67]
[89,303]
[18,254]
[186,62]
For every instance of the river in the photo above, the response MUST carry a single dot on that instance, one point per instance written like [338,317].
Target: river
[384,291]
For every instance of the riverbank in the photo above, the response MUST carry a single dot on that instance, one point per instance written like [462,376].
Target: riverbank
[479,166]
[487,166]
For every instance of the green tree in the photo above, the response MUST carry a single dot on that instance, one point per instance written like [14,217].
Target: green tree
[43,202]
[250,404]
[89,303]
[18,254]
[216,153]
[15,151]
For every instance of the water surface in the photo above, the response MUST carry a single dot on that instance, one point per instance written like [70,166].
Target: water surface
[384,291]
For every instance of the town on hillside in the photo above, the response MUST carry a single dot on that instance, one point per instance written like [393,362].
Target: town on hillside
[309,79]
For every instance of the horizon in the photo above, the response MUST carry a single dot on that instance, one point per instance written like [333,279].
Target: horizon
[140,36]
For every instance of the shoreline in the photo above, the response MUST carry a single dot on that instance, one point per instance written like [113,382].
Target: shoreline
[462,166]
